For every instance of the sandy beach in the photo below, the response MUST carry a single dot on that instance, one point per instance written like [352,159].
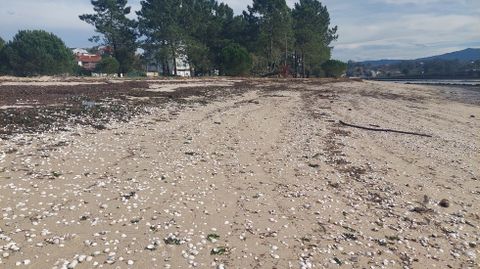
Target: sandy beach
[238,173]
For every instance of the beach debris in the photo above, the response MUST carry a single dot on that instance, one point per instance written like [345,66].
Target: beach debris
[383,130]
[182,192]
[337,261]
[172,240]
[219,251]
[213,237]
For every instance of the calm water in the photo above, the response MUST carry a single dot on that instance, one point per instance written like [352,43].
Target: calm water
[464,82]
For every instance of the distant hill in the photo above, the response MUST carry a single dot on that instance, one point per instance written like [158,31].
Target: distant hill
[377,63]
[458,64]
[462,55]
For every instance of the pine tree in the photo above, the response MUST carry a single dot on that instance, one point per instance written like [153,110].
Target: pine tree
[196,28]
[33,53]
[273,19]
[208,24]
[116,29]
[160,23]
[313,36]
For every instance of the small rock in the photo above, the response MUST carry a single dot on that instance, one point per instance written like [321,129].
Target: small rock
[444,203]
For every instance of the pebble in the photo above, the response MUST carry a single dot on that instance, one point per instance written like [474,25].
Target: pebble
[444,203]
[72,264]
[82,258]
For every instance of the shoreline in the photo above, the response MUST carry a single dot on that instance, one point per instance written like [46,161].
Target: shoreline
[440,82]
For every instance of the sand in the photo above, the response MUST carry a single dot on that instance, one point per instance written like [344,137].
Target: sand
[264,177]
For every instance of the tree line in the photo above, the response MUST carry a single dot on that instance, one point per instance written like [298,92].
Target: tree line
[268,38]
[417,69]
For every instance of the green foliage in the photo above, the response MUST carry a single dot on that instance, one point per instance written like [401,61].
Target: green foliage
[236,60]
[199,56]
[108,65]
[208,24]
[32,53]
[118,31]
[136,74]
[272,22]
[272,34]
[198,28]
[334,68]
[80,71]
[2,43]
[159,22]
[313,36]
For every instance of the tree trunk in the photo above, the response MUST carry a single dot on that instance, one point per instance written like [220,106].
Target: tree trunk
[174,54]
[303,64]
[295,63]
[166,68]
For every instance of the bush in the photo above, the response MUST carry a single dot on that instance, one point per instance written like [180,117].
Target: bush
[136,74]
[334,68]
[81,72]
[236,60]
[37,52]
[108,65]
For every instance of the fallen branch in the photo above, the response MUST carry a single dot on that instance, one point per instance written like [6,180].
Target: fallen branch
[383,130]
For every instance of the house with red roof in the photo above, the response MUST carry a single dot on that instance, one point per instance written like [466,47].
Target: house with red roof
[87,60]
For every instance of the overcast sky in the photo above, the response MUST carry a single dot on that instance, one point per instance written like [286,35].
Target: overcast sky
[368,29]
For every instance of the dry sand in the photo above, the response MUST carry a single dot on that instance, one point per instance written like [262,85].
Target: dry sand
[261,178]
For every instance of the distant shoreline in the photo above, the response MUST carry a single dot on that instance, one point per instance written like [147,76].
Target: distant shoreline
[435,82]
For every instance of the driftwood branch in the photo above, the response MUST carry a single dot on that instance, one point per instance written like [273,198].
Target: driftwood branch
[383,130]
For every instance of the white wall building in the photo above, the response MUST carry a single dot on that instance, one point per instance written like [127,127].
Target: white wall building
[181,63]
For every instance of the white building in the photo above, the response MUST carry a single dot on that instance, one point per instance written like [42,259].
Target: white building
[181,65]
[79,51]
[183,68]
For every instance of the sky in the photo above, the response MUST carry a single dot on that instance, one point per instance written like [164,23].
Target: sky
[368,29]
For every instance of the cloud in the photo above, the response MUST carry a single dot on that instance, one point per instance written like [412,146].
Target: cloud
[408,36]
[415,2]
